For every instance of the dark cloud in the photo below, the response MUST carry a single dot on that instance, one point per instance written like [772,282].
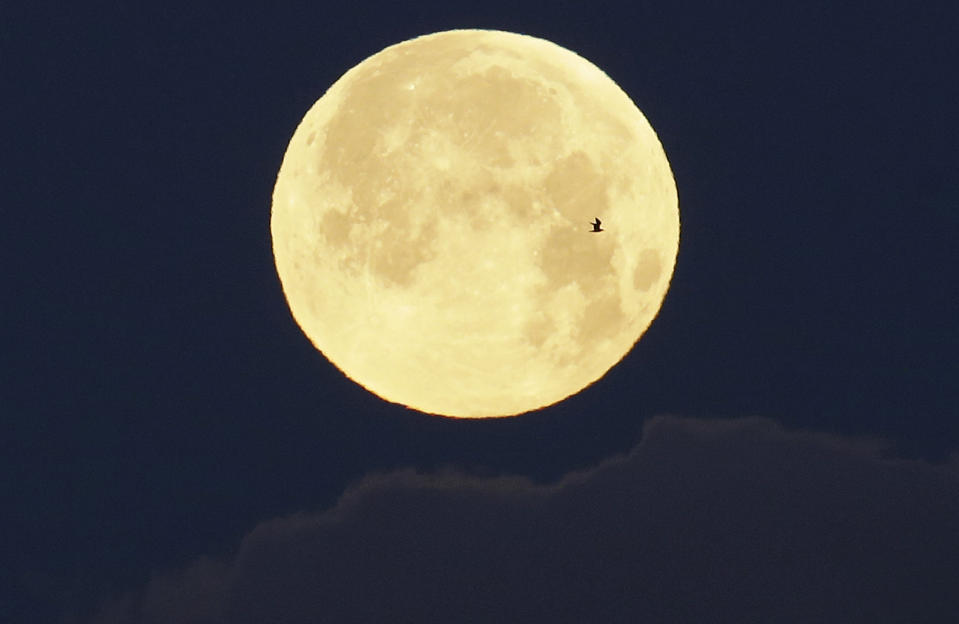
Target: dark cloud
[703,521]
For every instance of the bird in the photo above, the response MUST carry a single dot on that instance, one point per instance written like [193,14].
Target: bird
[596,223]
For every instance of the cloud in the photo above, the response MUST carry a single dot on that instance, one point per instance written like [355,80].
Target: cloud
[703,521]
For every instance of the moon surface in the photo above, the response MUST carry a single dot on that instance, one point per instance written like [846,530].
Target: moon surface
[431,223]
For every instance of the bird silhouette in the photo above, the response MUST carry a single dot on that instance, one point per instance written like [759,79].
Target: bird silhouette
[596,223]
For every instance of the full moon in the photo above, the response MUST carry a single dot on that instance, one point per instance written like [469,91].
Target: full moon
[432,231]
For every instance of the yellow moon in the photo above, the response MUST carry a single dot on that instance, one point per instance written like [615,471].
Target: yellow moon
[431,223]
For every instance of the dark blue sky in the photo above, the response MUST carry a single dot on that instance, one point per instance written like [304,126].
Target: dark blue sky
[158,401]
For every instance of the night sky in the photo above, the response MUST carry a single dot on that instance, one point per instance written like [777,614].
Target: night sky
[782,445]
